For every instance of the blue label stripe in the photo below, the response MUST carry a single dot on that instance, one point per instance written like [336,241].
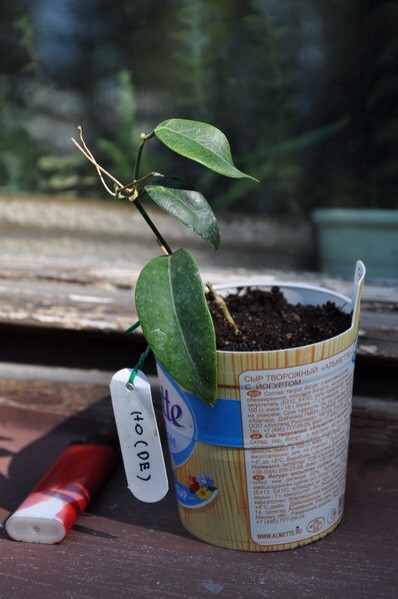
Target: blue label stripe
[179,457]
[220,424]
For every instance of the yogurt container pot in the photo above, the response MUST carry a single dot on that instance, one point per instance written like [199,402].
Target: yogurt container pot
[265,468]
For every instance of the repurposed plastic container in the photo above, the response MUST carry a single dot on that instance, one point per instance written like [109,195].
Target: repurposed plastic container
[344,234]
[265,468]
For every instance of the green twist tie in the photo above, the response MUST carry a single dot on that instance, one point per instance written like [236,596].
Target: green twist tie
[138,366]
[132,328]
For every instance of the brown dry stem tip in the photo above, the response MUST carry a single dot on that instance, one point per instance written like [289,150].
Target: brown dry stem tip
[222,307]
[86,152]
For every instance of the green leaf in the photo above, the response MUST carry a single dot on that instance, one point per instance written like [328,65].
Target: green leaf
[200,142]
[176,322]
[180,199]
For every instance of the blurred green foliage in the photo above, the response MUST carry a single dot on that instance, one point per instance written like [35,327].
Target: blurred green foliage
[306,92]
[18,152]
[120,150]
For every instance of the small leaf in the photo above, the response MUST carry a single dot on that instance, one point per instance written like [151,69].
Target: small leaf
[180,199]
[176,322]
[200,142]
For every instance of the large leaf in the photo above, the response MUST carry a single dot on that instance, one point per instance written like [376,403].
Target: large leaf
[180,199]
[200,142]
[176,322]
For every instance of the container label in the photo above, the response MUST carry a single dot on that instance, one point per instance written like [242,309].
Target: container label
[199,492]
[180,421]
[290,405]
[301,418]
[189,419]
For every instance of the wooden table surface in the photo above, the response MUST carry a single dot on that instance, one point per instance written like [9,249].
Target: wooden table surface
[123,548]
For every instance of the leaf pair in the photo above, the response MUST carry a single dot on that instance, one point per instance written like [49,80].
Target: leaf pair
[208,146]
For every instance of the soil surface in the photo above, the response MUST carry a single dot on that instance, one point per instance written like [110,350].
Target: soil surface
[267,321]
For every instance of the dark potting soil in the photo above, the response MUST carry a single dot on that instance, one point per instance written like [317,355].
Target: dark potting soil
[267,321]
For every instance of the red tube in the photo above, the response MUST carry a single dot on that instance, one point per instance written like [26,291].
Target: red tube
[53,506]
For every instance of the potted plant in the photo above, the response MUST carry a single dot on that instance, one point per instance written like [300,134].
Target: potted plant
[258,433]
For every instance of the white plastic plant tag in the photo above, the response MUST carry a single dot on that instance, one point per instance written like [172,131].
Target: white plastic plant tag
[359,276]
[139,436]
[359,279]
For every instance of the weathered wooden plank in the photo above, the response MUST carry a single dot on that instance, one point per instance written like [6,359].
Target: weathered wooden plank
[107,275]
[101,299]
[124,548]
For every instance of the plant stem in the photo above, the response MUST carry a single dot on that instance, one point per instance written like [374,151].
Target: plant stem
[136,181]
[143,138]
[222,307]
[162,242]
[131,187]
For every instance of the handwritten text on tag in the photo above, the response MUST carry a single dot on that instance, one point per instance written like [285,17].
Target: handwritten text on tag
[139,437]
